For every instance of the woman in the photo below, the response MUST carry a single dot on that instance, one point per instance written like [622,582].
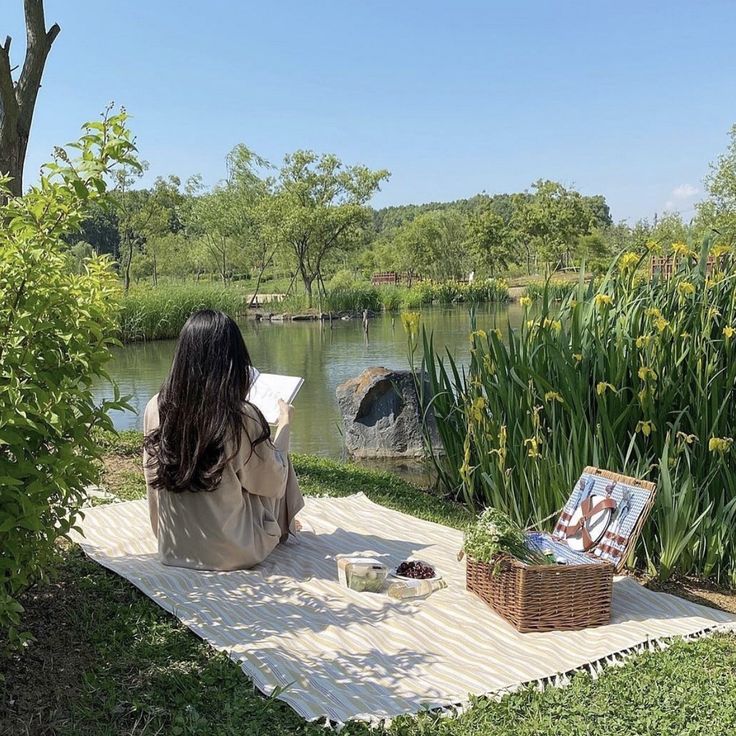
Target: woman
[221,493]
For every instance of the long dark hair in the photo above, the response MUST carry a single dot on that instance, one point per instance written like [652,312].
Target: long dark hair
[202,406]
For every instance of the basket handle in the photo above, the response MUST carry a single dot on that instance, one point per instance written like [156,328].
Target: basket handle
[553,515]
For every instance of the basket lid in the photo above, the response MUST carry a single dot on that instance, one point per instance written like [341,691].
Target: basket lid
[605,514]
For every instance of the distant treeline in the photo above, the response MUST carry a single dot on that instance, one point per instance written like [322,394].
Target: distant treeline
[311,218]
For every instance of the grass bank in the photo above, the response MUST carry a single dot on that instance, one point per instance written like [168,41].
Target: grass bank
[158,313]
[350,295]
[107,660]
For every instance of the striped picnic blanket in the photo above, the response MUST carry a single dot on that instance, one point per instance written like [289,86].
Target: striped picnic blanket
[344,655]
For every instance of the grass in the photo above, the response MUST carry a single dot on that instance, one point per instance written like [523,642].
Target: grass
[159,313]
[107,660]
[556,289]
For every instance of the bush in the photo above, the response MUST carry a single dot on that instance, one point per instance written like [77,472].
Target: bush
[343,279]
[417,295]
[346,293]
[156,313]
[452,292]
[446,292]
[353,297]
[56,329]
[490,290]
[556,289]
[390,298]
[634,376]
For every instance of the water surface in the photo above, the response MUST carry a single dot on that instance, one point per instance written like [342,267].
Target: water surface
[324,354]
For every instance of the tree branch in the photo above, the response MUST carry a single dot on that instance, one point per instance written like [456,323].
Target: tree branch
[39,42]
[8,103]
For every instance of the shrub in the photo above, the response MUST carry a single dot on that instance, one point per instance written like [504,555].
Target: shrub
[295,302]
[56,327]
[417,295]
[390,297]
[634,376]
[451,292]
[490,290]
[446,292]
[342,279]
[155,313]
[557,290]
[353,296]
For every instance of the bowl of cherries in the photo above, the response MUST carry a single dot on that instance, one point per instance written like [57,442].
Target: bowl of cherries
[416,570]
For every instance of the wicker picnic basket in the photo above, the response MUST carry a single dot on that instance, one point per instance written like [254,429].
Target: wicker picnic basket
[557,597]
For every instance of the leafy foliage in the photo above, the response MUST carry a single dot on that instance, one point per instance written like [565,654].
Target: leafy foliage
[493,533]
[719,211]
[318,208]
[630,375]
[490,241]
[555,290]
[56,327]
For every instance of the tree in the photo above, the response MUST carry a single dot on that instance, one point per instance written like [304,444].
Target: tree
[319,208]
[227,219]
[669,229]
[250,193]
[489,241]
[143,214]
[551,220]
[101,230]
[434,244]
[214,221]
[18,98]
[56,328]
[718,212]
[599,210]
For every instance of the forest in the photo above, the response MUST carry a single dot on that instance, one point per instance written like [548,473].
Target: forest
[292,227]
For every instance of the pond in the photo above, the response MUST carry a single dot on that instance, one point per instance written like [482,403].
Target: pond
[324,354]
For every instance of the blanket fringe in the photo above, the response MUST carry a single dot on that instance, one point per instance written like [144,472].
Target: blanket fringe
[594,669]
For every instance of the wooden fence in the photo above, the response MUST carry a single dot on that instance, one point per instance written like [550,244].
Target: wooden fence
[664,266]
[393,278]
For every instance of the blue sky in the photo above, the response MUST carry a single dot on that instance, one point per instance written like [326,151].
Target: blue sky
[627,99]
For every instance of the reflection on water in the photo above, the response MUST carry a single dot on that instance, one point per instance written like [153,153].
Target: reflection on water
[324,355]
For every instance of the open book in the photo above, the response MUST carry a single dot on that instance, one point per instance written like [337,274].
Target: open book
[267,388]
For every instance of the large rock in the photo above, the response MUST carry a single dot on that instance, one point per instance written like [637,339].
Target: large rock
[381,415]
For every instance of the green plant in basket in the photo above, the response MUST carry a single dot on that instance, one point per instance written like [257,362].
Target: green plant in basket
[493,534]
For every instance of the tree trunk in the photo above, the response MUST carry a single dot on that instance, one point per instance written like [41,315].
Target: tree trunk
[12,157]
[128,262]
[254,296]
[308,289]
[291,284]
[18,99]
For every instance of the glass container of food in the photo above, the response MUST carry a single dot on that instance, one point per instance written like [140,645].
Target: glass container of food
[362,574]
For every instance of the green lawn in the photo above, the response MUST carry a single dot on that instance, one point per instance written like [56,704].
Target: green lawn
[107,660]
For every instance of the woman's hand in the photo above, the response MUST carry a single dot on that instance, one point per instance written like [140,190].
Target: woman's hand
[286,411]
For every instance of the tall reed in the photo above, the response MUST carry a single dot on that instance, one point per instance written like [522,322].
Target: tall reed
[160,312]
[631,375]
[556,289]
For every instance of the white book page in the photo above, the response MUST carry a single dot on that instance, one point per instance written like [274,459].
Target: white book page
[268,388]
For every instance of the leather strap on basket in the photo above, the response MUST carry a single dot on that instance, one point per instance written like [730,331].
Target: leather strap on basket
[587,512]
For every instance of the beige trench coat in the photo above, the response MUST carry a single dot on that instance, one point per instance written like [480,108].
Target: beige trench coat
[239,523]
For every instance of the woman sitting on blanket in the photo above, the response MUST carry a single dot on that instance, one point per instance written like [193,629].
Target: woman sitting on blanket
[222,494]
